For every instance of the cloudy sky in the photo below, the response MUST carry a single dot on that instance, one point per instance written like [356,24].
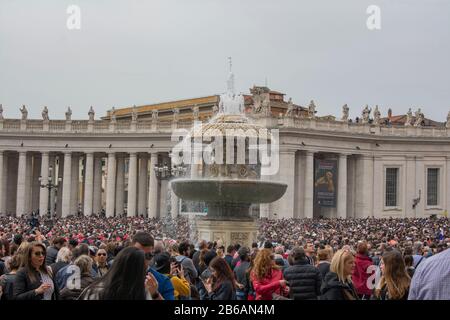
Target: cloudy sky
[148,51]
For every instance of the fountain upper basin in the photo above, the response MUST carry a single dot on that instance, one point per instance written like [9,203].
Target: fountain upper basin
[228,190]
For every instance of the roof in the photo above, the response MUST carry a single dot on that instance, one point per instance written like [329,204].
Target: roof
[167,105]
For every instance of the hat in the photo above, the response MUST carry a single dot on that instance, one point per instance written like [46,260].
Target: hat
[162,262]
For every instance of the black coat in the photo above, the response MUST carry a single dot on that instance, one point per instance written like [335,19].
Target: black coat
[324,268]
[304,280]
[333,289]
[7,282]
[24,287]
[50,257]
[240,273]
[224,292]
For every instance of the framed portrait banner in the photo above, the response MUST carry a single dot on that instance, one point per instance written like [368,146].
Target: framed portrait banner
[325,183]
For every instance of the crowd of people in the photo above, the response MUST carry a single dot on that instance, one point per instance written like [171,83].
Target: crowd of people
[98,258]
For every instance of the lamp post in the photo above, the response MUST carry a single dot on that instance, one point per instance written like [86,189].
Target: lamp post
[50,186]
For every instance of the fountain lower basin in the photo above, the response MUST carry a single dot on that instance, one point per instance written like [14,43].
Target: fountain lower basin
[228,190]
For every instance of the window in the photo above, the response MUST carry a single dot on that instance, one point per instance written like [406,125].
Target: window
[432,186]
[391,187]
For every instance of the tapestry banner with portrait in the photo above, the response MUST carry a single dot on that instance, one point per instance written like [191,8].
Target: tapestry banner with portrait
[325,173]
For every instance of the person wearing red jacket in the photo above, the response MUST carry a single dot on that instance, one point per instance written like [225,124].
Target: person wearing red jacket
[361,273]
[267,277]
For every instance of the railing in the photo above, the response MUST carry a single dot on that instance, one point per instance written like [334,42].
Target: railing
[147,126]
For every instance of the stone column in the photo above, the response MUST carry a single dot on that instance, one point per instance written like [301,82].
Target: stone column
[174,204]
[342,187]
[120,186]
[132,185]
[52,163]
[309,186]
[21,177]
[163,199]
[67,185]
[60,185]
[284,208]
[364,206]
[111,185]
[89,184]
[410,190]
[74,200]
[299,184]
[143,184]
[420,185]
[29,184]
[153,188]
[36,185]
[43,194]
[97,201]
[377,194]
[2,184]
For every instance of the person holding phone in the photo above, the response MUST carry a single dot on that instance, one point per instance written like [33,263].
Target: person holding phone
[34,281]
[222,284]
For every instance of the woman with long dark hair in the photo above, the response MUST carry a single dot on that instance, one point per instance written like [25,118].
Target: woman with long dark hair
[126,280]
[34,281]
[221,285]
[395,281]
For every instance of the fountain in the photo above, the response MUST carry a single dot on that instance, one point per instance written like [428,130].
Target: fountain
[228,176]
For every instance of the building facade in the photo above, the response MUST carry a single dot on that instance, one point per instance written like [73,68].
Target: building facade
[371,167]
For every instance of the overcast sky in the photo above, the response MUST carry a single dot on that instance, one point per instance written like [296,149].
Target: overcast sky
[143,52]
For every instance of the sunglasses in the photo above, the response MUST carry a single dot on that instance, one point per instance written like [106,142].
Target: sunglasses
[101,254]
[149,256]
[39,253]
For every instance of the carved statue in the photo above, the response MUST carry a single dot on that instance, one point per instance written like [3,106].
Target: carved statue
[134,114]
[345,110]
[408,118]
[447,125]
[312,110]
[195,112]
[45,114]
[261,100]
[113,115]
[1,112]
[419,118]
[376,116]
[215,109]
[68,114]
[290,109]
[154,115]
[176,113]
[366,114]
[91,114]
[24,112]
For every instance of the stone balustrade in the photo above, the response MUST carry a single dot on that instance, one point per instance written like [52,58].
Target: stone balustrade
[144,125]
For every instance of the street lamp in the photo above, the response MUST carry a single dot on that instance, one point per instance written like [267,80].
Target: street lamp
[50,186]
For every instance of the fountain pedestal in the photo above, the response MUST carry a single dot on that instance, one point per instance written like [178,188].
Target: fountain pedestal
[229,231]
